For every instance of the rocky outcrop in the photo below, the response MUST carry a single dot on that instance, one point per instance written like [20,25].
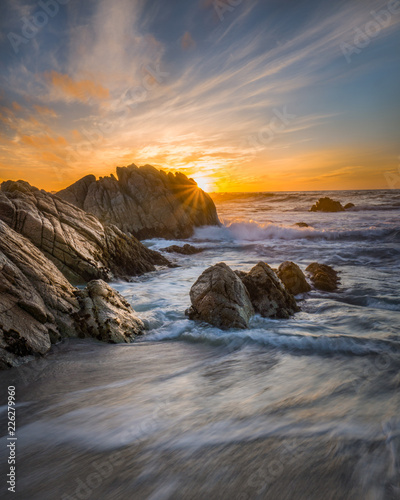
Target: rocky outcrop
[76,242]
[328,205]
[38,306]
[105,315]
[323,277]
[268,295]
[293,278]
[220,298]
[145,202]
[301,224]
[184,250]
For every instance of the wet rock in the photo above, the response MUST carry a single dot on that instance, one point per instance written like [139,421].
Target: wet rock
[268,295]
[220,298]
[323,277]
[184,250]
[145,202]
[301,224]
[327,205]
[293,278]
[77,242]
[105,315]
[349,205]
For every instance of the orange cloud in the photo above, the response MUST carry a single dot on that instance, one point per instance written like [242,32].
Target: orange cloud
[16,106]
[43,110]
[43,141]
[81,90]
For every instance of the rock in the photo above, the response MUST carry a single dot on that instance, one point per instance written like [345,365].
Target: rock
[293,278]
[323,277]
[185,250]
[145,202]
[78,243]
[327,205]
[349,205]
[268,295]
[38,306]
[106,315]
[301,224]
[220,298]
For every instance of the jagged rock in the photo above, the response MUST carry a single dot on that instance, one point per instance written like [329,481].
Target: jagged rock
[301,224]
[327,205]
[185,250]
[77,242]
[323,277]
[220,298]
[38,306]
[349,205]
[293,278]
[268,295]
[144,201]
[106,315]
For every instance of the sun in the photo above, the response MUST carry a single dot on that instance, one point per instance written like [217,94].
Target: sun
[204,183]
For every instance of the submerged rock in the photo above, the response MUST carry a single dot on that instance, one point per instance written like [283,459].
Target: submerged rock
[327,205]
[349,205]
[301,224]
[184,250]
[145,202]
[293,278]
[323,277]
[268,295]
[77,242]
[220,298]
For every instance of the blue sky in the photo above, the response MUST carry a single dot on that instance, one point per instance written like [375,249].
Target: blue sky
[242,95]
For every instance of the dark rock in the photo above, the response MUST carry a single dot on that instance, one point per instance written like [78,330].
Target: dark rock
[268,295]
[293,278]
[77,242]
[301,224]
[323,277]
[220,298]
[185,250]
[145,201]
[327,205]
[349,205]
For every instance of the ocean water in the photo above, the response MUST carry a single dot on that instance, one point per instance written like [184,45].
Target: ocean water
[305,408]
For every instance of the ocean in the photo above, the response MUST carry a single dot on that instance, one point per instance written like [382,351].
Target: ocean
[306,408]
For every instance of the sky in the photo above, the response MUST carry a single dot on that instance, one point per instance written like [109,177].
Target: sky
[241,95]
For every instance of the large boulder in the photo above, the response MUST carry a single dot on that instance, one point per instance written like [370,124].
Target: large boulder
[145,202]
[183,250]
[293,278]
[77,242]
[38,306]
[220,298]
[268,294]
[323,277]
[327,205]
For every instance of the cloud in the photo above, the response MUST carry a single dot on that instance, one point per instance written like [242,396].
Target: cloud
[80,90]
[187,41]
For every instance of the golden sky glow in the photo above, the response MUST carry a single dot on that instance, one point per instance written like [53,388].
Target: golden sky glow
[250,102]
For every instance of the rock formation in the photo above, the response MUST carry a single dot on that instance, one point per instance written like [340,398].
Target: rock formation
[220,298]
[38,306]
[323,277]
[268,295]
[184,250]
[77,242]
[301,224]
[293,278]
[145,202]
[328,205]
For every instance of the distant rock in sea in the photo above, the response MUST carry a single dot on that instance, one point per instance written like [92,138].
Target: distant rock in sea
[328,205]
[75,241]
[184,250]
[323,277]
[38,306]
[301,224]
[145,202]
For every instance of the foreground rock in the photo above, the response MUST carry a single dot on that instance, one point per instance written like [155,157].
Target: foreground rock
[327,205]
[323,277]
[185,250]
[293,278]
[145,202]
[220,298]
[38,306]
[268,295]
[78,243]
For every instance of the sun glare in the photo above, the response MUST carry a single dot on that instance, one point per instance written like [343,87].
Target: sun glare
[204,183]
